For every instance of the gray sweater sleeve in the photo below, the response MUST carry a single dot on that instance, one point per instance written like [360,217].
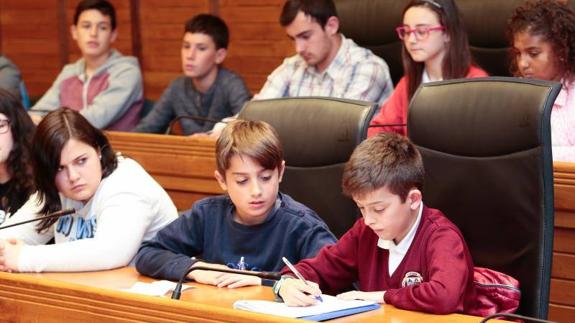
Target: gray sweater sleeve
[162,113]
[238,94]
[9,76]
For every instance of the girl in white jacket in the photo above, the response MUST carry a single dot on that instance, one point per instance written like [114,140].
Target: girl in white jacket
[118,205]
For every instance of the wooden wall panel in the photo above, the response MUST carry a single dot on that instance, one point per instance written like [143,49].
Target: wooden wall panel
[162,29]
[562,295]
[258,44]
[29,37]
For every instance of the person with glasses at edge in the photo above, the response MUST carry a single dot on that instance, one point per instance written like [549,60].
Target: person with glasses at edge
[17,185]
[435,48]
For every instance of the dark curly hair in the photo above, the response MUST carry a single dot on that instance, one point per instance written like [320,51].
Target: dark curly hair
[53,132]
[554,21]
[18,164]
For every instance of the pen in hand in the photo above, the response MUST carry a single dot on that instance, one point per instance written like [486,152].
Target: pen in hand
[298,275]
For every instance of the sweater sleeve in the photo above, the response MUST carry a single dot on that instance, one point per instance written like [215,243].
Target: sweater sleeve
[51,99]
[9,76]
[167,256]
[334,269]
[162,114]
[238,95]
[27,232]
[124,89]
[449,270]
[314,240]
[121,225]
[393,111]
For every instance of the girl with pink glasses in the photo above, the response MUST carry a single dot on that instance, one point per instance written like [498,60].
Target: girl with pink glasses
[435,48]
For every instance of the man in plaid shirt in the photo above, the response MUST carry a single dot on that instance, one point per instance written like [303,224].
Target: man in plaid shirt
[326,63]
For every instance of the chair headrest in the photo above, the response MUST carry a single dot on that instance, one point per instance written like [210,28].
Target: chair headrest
[468,117]
[315,131]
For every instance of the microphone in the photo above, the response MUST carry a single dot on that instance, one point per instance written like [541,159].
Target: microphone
[49,216]
[261,274]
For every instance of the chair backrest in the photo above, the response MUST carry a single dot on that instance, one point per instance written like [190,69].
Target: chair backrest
[318,137]
[371,24]
[486,149]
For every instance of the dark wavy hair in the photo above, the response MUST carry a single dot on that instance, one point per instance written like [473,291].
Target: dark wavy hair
[457,58]
[210,25]
[53,132]
[18,164]
[554,21]
[319,10]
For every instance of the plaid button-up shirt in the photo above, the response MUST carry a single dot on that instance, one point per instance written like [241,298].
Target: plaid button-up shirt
[355,73]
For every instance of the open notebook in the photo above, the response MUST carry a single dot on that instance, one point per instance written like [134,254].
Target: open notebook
[330,308]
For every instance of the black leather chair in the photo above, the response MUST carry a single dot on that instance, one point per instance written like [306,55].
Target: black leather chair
[371,24]
[318,136]
[486,149]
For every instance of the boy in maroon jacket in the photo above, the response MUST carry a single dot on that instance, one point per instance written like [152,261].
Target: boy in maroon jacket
[401,252]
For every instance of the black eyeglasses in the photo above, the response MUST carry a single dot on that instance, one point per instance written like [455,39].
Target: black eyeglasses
[420,32]
[4,126]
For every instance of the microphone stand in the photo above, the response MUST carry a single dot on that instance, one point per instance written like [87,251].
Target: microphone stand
[49,216]
[261,274]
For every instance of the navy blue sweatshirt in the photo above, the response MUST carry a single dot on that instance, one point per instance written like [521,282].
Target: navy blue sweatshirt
[208,231]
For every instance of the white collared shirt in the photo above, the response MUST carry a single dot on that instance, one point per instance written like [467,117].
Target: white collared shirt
[426,79]
[397,252]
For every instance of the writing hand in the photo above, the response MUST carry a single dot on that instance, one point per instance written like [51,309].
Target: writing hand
[296,293]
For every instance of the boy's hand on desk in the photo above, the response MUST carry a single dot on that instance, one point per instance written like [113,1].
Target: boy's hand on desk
[204,276]
[9,254]
[236,280]
[364,296]
[296,293]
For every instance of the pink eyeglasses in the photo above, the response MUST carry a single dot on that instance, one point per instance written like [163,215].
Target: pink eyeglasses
[420,32]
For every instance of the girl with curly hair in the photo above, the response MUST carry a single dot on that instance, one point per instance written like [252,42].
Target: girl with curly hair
[542,36]
[16,179]
[435,48]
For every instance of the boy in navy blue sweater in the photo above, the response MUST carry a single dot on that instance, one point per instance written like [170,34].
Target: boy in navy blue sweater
[252,227]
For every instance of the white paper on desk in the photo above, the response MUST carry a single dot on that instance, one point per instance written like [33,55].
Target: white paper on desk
[157,288]
[329,304]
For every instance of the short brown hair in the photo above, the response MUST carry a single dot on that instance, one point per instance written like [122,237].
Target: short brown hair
[255,139]
[103,6]
[319,10]
[385,160]
[210,25]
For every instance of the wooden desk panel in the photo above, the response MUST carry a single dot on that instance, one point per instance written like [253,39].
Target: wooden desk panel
[185,166]
[91,297]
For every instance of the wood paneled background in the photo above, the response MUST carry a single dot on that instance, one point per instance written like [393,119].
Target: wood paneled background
[36,36]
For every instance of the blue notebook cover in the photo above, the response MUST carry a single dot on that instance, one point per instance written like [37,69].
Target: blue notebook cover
[340,313]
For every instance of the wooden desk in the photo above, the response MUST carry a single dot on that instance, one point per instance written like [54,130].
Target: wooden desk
[185,167]
[92,297]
